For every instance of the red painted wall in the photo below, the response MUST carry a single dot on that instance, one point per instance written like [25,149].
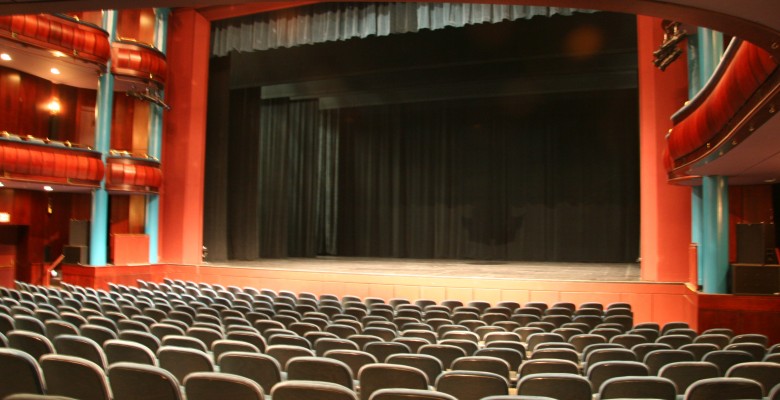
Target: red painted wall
[184,139]
[665,209]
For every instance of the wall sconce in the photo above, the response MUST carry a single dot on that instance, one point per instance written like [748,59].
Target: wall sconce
[54,106]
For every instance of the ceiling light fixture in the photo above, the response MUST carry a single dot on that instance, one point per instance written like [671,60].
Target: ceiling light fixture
[5,57]
[55,71]
[48,188]
[57,53]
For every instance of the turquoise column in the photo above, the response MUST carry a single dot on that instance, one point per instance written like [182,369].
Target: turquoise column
[704,52]
[152,226]
[98,239]
[715,216]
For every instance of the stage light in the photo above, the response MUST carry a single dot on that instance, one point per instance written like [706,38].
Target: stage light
[5,57]
[668,52]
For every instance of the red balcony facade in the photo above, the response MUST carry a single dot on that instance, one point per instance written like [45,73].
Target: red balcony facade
[34,160]
[133,175]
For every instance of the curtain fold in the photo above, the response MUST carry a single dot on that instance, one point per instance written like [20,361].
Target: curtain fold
[328,22]
[501,179]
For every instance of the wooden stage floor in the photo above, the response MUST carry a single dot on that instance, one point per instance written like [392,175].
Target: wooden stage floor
[550,271]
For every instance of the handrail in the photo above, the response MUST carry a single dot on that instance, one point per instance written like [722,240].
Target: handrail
[712,82]
[46,278]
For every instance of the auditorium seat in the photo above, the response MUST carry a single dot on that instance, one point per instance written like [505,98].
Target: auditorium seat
[130,381]
[19,373]
[482,364]
[29,323]
[212,385]
[685,373]
[724,389]
[656,359]
[284,353]
[355,359]
[471,385]
[641,350]
[117,350]
[410,394]
[717,339]
[725,359]
[260,368]
[295,390]
[638,387]
[413,343]
[34,344]
[600,372]
[320,369]
[556,385]
[758,351]
[765,373]
[547,365]
[381,350]
[444,352]
[181,361]
[100,334]
[184,341]
[82,347]
[58,327]
[74,377]
[512,356]
[699,350]
[377,376]
[751,338]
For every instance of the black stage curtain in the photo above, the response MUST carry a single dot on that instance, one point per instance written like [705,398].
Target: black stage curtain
[549,179]
[543,178]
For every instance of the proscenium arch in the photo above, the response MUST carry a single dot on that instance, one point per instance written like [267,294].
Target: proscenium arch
[756,21]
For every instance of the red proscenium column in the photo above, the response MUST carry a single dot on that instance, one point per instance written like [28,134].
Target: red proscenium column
[184,139]
[665,208]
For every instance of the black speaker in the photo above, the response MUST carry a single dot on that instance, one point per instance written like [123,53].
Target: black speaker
[755,279]
[78,232]
[75,255]
[756,244]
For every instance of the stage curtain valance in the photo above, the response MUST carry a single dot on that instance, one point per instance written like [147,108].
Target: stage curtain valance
[328,22]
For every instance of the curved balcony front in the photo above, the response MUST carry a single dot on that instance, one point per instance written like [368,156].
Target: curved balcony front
[67,35]
[129,174]
[135,61]
[25,160]
[728,110]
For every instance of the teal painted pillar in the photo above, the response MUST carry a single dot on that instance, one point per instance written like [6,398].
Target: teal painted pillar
[98,238]
[705,49]
[697,229]
[715,216]
[154,149]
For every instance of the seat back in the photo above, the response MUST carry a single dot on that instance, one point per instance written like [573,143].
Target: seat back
[658,358]
[765,373]
[410,394]
[725,359]
[215,385]
[600,372]
[34,344]
[444,352]
[117,350]
[74,377]
[82,347]
[181,361]
[379,376]
[430,365]
[685,373]
[472,385]
[320,369]
[261,368]
[724,389]
[296,390]
[638,387]
[19,373]
[130,381]
[557,386]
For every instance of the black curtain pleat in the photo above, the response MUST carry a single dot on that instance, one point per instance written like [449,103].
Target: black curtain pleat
[551,179]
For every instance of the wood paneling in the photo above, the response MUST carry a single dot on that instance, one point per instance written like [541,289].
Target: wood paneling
[748,204]
[743,314]
[23,100]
